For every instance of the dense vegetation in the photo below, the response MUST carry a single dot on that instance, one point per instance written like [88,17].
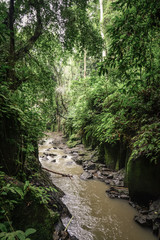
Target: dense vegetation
[123,105]
[53,75]
[117,106]
[36,37]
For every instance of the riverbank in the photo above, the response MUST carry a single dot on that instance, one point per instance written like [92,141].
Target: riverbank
[86,158]
[148,215]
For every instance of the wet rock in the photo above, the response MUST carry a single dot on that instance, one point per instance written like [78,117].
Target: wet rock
[114,178]
[101,165]
[141,219]
[81,153]
[149,216]
[50,154]
[110,176]
[44,158]
[89,165]
[41,142]
[117,183]
[105,173]
[104,169]
[118,192]
[54,160]
[74,152]
[78,161]
[86,175]
[48,149]
[132,204]
[125,197]
[107,181]
[92,171]
[60,233]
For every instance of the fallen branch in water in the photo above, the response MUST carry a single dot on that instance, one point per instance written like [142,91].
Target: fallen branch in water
[62,174]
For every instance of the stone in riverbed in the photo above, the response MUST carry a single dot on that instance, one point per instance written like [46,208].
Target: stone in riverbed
[86,176]
[50,154]
[88,165]
[118,192]
[125,197]
[105,173]
[78,161]
[48,149]
[44,158]
[41,142]
[54,160]
[141,219]
[81,153]
[110,176]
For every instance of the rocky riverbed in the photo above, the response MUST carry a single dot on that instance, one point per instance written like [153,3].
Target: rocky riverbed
[148,216]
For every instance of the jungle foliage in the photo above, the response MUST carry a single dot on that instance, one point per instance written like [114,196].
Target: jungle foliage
[121,104]
[36,39]
[53,75]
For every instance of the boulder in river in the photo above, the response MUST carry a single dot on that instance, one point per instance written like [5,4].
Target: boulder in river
[78,161]
[88,165]
[86,175]
[54,160]
[151,217]
[44,158]
[118,192]
[50,154]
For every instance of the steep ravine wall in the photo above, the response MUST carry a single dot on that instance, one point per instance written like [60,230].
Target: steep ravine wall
[142,176]
[143,179]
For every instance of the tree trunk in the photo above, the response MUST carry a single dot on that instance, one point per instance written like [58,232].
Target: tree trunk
[11,58]
[85,63]
[101,26]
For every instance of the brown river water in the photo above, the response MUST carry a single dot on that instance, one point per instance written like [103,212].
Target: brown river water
[95,215]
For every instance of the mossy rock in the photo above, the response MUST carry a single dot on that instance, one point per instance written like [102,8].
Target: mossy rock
[143,179]
[115,156]
[30,213]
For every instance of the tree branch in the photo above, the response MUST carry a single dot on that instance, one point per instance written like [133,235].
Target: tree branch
[63,103]
[38,31]
[62,174]
[60,114]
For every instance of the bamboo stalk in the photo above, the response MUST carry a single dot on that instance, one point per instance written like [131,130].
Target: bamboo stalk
[68,223]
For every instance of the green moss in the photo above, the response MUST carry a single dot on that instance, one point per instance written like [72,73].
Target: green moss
[33,214]
[143,179]
[71,143]
[111,156]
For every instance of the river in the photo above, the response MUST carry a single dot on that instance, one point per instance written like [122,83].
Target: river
[95,215]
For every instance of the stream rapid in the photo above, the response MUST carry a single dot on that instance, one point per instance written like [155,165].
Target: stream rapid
[95,215]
